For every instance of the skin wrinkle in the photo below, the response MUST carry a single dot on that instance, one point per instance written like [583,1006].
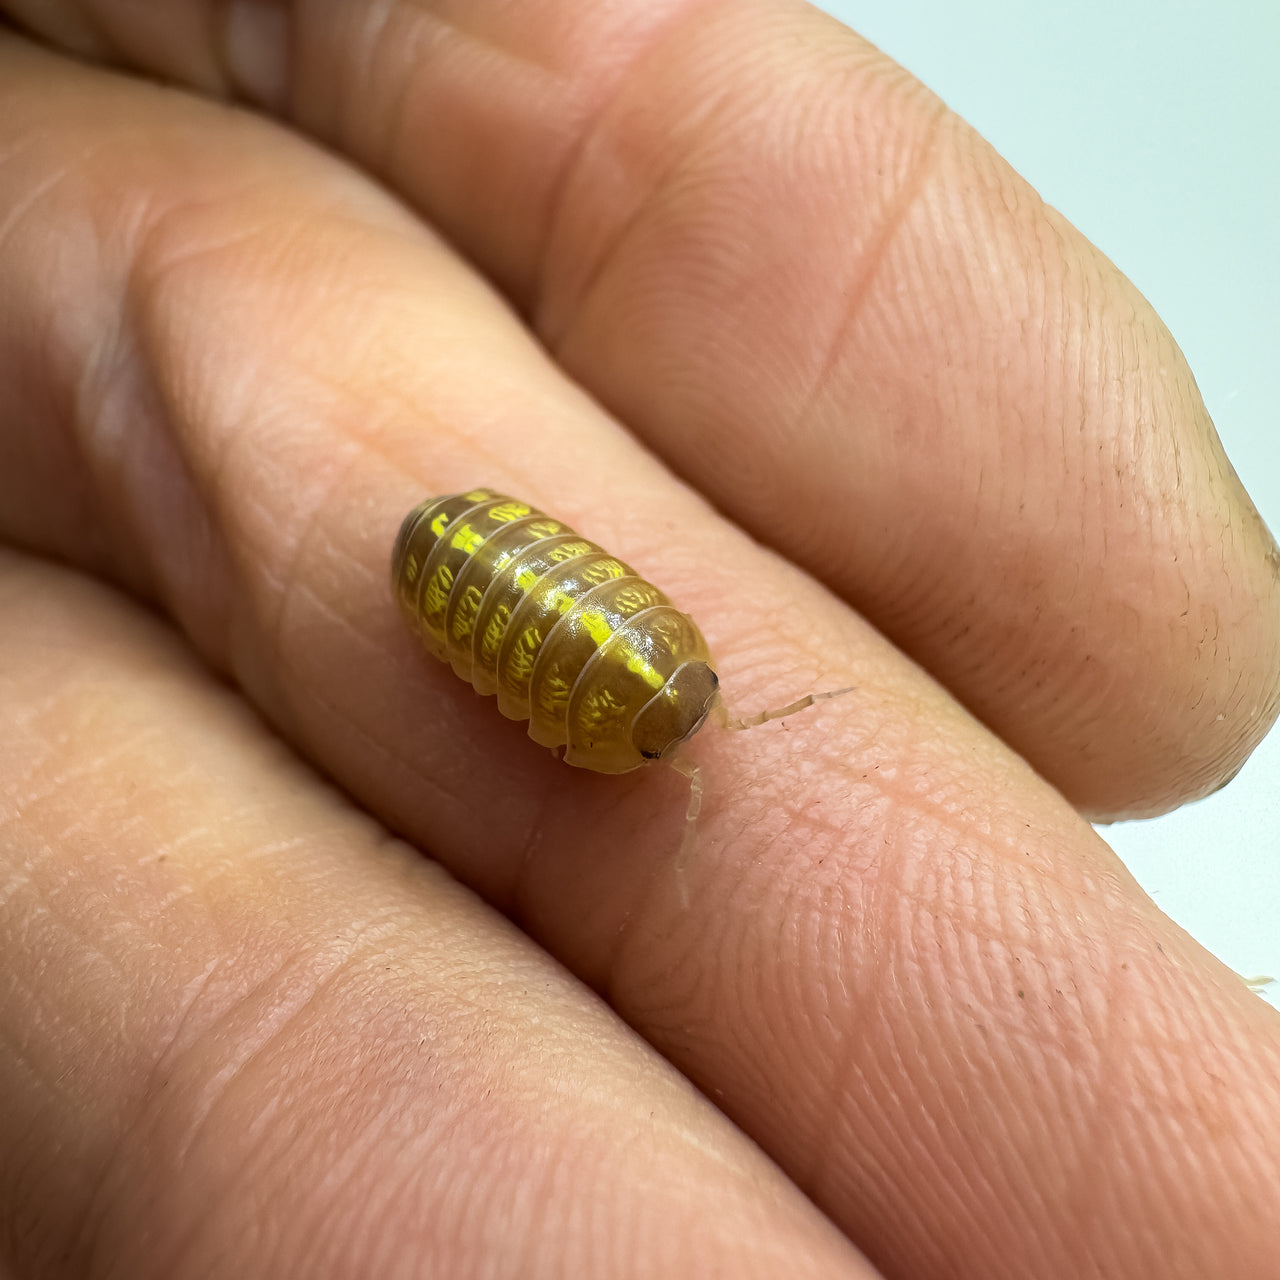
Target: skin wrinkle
[272,627]
[917,806]
[1085,1193]
[67,781]
[420,779]
[542,302]
[432,12]
[877,1147]
[1092,1126]
[742,983]
[667,987]
[900,1054]
[1146,1080]
[794,1022]
[393,127]
[26,205]
[282,1013]
[517,903]
[91,1208]
[231,1078]
[364,1231]
[1004,1189]
[170,1064]
[855,292]
[557,335]
[20,747]
[86,1237]
[271,992]
[373,636]
[86,495]
[129,367]
[108,444]
[828,1139]
[350,1170]
[209,477]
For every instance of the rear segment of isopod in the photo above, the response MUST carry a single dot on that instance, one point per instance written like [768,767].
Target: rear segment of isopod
[595,658]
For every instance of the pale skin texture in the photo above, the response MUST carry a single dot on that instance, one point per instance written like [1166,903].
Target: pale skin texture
[242,1032]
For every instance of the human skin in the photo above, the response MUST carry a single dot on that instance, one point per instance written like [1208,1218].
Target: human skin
[693,277]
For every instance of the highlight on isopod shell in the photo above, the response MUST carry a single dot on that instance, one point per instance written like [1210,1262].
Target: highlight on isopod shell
[597,659]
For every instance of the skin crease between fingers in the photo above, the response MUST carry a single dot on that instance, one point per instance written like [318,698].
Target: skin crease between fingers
[344,1065]
[904,966]
[809,287]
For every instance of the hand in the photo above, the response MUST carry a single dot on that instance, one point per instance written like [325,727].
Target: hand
[244,1031]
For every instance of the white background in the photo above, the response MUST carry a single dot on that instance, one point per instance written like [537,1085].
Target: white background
[1154,126]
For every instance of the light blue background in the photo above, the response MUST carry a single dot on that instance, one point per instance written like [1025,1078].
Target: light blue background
[1154,125]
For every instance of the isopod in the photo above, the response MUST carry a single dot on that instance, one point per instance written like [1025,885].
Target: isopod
[599,661]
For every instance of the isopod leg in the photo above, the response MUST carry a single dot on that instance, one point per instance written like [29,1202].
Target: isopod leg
[687,769]
[777,713]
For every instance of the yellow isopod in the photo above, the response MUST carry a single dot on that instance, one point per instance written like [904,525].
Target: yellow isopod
[598,660]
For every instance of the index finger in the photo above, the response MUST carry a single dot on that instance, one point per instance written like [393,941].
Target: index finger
[827,303]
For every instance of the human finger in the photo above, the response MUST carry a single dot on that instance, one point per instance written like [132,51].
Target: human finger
[831,307]
[896,955]
[245,1033]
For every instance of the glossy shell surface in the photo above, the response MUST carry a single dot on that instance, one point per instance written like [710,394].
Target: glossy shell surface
[567,636]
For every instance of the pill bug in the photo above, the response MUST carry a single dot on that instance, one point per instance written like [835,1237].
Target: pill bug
[597,659]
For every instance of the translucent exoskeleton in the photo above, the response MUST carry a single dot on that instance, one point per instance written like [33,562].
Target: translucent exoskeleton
[599,661]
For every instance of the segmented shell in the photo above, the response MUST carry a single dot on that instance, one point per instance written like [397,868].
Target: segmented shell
[595,658]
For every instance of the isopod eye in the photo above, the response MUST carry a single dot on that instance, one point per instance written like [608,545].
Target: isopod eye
[676,712]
